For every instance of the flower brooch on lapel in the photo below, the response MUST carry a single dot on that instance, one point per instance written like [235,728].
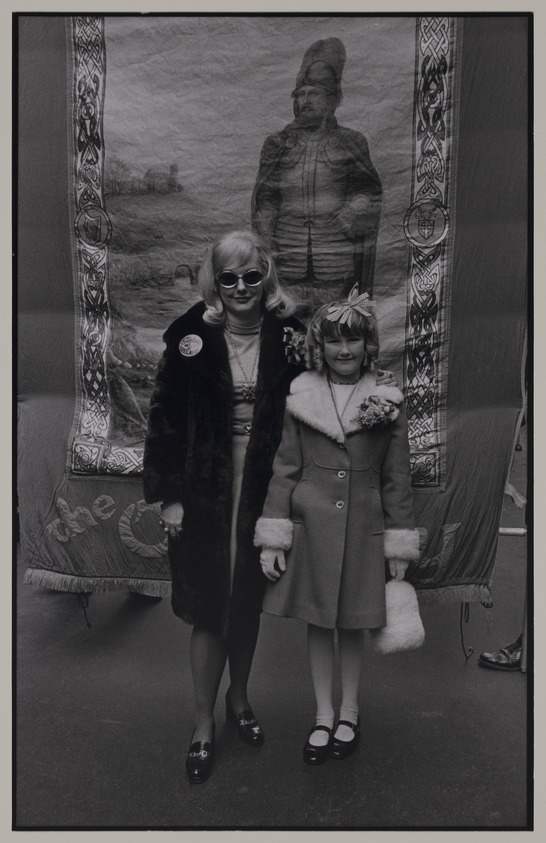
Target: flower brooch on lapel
[376,412]
[294,346]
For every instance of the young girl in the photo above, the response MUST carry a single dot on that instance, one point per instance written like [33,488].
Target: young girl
[340,502]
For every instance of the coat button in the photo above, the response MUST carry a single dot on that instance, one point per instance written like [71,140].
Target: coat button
[341,474]
[340,504]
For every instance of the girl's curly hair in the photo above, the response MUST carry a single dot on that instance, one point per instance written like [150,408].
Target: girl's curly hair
[356,325]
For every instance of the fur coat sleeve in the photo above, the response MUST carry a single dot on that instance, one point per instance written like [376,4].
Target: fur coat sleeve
[164,454]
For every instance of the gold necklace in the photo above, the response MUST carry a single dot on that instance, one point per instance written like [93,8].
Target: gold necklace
[248,388]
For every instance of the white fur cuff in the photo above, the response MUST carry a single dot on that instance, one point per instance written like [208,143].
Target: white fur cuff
[274,532]
[401,544]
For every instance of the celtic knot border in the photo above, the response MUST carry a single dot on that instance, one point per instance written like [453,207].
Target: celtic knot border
[91,452]
[427,226]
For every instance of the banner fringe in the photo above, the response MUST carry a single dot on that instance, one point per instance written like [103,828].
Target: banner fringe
[41,578]
[454,594]
[87,585]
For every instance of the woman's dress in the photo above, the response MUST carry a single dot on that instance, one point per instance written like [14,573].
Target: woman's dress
[247,345]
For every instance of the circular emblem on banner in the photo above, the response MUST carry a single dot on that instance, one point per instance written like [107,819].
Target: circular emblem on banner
[93,226]
[426,223]
[190,345]
[130,517]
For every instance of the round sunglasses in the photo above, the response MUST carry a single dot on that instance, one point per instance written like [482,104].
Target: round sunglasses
[250,278]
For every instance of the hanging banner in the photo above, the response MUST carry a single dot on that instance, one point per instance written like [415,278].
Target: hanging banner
[162,171]
[177,135]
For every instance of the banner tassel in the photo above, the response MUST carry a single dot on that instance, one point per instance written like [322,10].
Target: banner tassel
[83,600]
[465,615]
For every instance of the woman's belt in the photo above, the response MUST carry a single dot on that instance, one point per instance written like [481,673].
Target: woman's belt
[242,429]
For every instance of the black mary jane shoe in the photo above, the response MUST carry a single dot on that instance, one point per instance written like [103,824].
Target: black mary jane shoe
[317,754]
[342,749]
[248,727]
[199,761]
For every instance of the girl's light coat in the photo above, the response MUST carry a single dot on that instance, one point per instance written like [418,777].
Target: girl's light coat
[340,501]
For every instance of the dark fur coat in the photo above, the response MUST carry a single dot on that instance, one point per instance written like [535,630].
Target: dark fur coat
[188,458]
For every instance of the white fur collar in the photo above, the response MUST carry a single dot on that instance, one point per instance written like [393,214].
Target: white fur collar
[311,402]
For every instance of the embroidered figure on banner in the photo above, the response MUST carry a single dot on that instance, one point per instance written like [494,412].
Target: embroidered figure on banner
[426,226]
[317,197]
[317,200]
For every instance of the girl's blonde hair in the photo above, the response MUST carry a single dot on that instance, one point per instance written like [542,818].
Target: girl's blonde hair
[357,325]
[234,249]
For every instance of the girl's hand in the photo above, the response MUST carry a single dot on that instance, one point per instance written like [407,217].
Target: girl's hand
[171,519]
[273,562]
[398,568]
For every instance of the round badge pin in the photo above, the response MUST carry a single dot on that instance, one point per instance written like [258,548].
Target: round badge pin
[190,345]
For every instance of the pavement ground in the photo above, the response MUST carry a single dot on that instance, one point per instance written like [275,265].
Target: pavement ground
[104,719]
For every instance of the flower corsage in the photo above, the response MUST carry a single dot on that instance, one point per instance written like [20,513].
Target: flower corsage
[376,412]
[294,346]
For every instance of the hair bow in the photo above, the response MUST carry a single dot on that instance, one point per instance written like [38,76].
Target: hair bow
[341,313]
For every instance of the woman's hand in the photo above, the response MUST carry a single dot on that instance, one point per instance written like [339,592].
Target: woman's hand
[273,562]
[171,519]
[385,378]
[398,568]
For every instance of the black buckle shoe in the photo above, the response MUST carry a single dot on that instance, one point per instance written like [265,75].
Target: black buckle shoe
[507,658]
[342,749]
[316,754]
[199,761]
[248,727]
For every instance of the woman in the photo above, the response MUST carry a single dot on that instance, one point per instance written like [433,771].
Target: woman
[340,501]
[214,426]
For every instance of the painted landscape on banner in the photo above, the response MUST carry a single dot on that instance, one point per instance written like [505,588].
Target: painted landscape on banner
[186,112]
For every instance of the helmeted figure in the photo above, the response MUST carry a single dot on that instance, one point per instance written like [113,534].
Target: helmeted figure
[317,197]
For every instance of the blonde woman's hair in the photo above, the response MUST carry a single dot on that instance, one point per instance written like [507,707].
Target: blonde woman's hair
[357,325]
[234,249]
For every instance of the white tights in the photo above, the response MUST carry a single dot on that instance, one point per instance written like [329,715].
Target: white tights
[320,643]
